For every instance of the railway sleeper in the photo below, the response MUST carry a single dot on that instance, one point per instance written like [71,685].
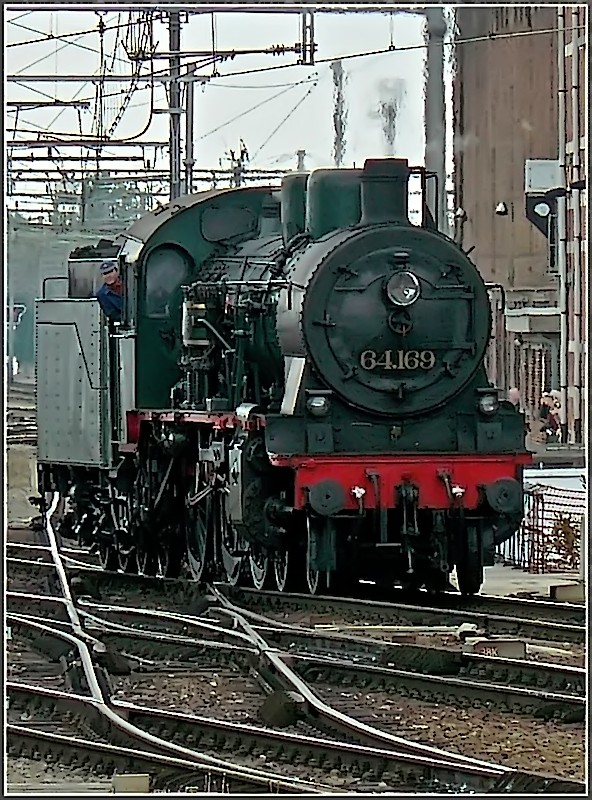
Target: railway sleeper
[466,693]
[262,743]
[527,676]
[102,761]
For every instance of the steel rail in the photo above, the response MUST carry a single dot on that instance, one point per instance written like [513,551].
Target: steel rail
[286,746]
[493,623]
[271,656]
[497,610]
[479,694]
[359,753]
[521,698]
[291,636]
[537,610]
[528,616]
[302,642]
[293,682]
[109,716]
[508,778]
[22,739]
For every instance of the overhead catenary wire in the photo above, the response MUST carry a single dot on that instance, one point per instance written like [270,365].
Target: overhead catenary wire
[61,38]
[50,37]
[251,109]
[389,49]
[284,120]
[348,56]
[221,77]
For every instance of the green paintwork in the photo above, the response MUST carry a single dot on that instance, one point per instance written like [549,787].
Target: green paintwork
[293,205]
[333,200]
[157,362]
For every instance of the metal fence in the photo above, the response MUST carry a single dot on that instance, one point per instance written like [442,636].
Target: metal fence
[550,534]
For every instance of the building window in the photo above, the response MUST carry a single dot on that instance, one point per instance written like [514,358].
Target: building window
[166,269]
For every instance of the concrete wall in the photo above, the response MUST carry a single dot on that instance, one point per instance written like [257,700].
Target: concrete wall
[505,107]
[22,484]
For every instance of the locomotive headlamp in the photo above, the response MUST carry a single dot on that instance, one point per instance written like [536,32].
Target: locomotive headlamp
[318,405]
[403,289]
[488,404]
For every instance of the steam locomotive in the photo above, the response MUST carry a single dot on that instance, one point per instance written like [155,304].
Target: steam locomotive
[295,396]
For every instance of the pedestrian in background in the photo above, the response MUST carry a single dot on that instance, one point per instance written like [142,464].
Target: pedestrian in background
[514,398]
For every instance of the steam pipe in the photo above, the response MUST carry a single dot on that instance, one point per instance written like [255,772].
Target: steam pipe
[175,103]
[561,226]
[577,232]
[189,162]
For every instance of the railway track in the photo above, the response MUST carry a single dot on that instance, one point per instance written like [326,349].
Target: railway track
[563,618]
[234,635]
[497,616]
[84,714]
[534,688]
[550,622]
[189,728]
[531,688]
[120,590]
[409,765]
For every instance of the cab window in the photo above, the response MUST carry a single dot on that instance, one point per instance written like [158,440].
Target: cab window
[166,269]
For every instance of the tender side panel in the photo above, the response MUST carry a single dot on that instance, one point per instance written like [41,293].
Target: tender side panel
[72,383]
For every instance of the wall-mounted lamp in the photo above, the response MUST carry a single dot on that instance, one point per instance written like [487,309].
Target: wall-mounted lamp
[501,210]
[542,209]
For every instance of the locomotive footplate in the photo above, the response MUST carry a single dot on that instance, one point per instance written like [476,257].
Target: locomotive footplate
[336,484]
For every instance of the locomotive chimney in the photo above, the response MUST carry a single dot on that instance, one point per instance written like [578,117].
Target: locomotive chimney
[384,191]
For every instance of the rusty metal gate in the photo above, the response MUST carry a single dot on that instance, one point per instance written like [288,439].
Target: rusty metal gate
[549,537]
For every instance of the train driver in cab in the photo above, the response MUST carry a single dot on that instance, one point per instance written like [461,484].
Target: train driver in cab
[110,294]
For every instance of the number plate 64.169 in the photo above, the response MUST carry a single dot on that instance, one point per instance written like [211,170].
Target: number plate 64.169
[397,359]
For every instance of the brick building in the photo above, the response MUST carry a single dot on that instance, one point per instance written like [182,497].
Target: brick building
[514,99]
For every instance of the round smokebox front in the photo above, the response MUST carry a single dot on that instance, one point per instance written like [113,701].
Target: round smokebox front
[396,320]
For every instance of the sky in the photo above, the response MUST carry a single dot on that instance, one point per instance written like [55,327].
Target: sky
[303,94]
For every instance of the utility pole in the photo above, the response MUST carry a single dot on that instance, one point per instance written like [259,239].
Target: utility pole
[10,337]
[339,113]
[435,114]
[308,45]
[175,103]
[189,161]
[300,155]
[237,165]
